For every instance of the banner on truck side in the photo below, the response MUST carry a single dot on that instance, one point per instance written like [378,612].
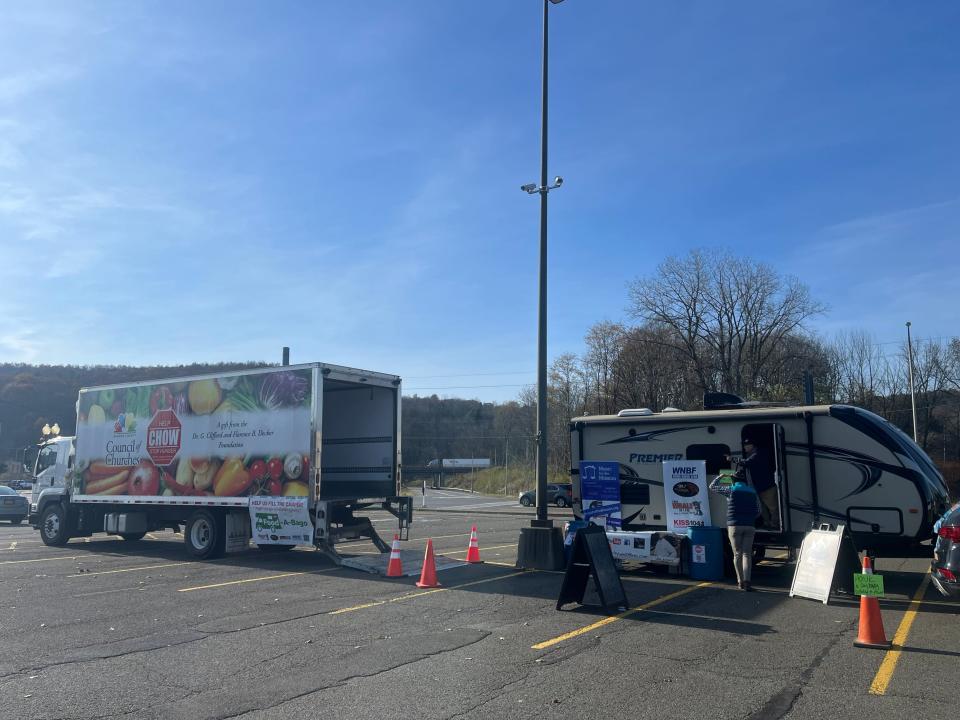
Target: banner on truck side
[600,493]
[233,436]
[685,492]
[280,521]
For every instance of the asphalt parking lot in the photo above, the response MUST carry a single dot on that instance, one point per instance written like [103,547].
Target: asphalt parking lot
[103,628]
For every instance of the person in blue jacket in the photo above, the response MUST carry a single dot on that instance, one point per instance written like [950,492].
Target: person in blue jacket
[743,507]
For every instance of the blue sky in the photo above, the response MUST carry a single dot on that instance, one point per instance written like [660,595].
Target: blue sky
[210,181]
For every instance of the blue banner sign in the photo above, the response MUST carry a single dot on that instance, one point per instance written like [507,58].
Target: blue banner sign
[600,492]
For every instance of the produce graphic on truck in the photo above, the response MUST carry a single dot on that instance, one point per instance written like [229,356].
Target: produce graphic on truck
[314,443]
[225,437]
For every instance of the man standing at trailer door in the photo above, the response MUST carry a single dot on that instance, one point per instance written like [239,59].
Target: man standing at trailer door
[754,469]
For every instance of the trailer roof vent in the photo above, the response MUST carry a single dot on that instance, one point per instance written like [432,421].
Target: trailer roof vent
[635,412]
[671,409]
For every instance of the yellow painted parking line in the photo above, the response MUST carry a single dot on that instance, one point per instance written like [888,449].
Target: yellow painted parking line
[35,560]
[130,569]
[613,618]
[430,591]
[882,679]
[255,579]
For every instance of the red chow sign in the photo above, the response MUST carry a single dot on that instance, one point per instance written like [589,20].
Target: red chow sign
[163,437]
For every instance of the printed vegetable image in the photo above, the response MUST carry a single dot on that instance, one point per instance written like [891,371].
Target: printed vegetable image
[225,436]
[296,489]
[292,467]
[96,415]
[204,471]
[144,479]
[283,389]
[204,396]
[161,399]
[232,479]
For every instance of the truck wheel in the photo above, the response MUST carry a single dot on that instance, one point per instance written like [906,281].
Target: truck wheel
[53,526]
[132,536]
[561,502]
[204,535]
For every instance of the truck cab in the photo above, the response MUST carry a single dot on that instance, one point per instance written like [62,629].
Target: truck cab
[55,459]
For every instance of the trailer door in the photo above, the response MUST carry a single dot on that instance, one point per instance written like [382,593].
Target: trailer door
[768,440]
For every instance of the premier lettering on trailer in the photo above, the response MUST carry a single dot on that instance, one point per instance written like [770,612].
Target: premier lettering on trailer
[654,457]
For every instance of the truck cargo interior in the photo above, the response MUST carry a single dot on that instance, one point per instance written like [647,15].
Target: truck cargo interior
[359,440]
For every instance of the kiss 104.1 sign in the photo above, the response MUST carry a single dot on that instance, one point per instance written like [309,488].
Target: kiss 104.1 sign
[685,493]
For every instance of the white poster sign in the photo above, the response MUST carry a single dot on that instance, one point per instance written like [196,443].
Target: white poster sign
[685,491]
[280,520]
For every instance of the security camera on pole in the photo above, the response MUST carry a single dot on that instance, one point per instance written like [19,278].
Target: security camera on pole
[541,544]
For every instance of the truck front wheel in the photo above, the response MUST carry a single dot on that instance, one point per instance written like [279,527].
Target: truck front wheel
[53,526]
[204,535]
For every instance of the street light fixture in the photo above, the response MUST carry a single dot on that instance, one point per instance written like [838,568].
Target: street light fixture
[541,544]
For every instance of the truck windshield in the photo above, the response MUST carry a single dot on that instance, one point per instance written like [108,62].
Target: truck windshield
[46,458]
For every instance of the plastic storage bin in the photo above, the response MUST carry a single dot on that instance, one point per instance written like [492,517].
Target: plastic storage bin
[706,553]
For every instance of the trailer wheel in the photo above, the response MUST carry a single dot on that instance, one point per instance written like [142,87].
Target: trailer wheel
[204,535]
[53,526]
[133,536]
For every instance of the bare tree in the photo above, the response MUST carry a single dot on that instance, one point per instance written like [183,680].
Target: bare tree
[728,316]
[567,394]
[604,342]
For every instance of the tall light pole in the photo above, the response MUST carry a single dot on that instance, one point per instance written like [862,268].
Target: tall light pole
[913,398]
[541,544]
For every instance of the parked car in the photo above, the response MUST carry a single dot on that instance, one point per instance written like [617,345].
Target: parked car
[22,485]
[13,506]
[945,568]
[560,495]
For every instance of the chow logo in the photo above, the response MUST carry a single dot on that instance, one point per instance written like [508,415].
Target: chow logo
[686,489]
[163,437]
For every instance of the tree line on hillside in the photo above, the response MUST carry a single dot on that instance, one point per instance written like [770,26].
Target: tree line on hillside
[708,321]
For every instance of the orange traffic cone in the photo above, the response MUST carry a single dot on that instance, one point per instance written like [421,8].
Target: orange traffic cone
[473,549]
[395,566]
[870,633]
[428,576]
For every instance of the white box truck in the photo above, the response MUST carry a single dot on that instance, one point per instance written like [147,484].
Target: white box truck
[287,455]
[830,463]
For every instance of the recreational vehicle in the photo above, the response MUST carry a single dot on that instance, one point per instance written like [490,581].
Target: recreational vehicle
[831,463]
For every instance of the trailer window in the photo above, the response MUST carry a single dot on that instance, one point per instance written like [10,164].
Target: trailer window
[714,455]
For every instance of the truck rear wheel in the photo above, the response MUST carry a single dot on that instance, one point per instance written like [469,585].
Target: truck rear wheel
[53,526]
[204,535]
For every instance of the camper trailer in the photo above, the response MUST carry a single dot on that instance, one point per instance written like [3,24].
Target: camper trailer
[831,464]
